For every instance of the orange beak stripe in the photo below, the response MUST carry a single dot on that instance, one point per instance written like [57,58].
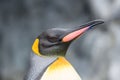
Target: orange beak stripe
[74,34]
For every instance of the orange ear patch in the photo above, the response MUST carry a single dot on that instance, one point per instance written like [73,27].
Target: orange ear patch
[35,47]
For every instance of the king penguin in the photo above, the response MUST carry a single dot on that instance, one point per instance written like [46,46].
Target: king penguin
[48,60]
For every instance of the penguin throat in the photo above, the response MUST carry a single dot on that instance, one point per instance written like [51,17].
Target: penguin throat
[54,53]
[54,50]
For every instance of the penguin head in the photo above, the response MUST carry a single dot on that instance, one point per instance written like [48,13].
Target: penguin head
[55,41]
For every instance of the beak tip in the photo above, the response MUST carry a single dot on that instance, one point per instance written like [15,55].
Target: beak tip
[99,20]
[96,22]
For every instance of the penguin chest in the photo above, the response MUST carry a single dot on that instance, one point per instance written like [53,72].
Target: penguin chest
[60,69]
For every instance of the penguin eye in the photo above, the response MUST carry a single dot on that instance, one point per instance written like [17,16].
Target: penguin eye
[52,39]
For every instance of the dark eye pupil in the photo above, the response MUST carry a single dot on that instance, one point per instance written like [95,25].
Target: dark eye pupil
[52,39]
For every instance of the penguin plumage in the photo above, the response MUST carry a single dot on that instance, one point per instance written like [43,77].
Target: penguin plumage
[48,60]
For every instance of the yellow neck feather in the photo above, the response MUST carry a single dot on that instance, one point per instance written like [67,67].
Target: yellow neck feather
[61,69]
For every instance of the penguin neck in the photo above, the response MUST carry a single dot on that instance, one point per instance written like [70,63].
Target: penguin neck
[62,54]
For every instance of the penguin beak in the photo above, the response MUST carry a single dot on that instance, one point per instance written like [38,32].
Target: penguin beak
[78,31]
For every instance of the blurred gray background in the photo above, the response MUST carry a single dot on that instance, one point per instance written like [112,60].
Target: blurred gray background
[95,55]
